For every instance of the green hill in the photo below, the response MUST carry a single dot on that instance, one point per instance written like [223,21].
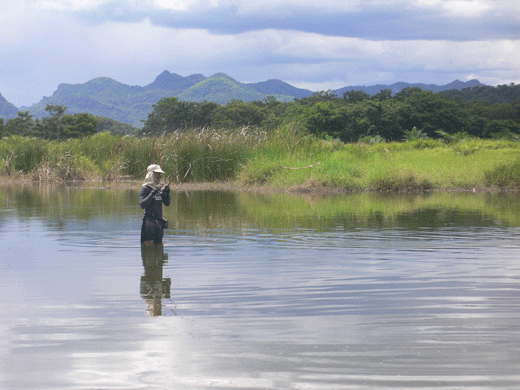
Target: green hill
[7,110]
[173,82]
[279,88]
[219,88]
[106,97]
[103,97]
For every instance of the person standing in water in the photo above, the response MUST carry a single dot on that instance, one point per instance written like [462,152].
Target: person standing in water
[152,196]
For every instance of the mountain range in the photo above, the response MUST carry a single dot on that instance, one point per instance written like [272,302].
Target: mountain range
[106,97]
[7,110]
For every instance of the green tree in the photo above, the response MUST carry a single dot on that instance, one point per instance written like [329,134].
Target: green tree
[114,127]
[51,127]
[371,118]
[393,113]
[354,96]
[171,114]
[320,96]
[22,125]
[414,135]
[406,93]
[275,112]
[324,119]
[78,125]
[203,114]
[430,112]
[505,129]
[168,115]
[238,113]
[61,126]
[382,95]
[355,120]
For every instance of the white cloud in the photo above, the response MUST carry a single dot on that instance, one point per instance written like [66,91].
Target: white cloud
[468,8]
[67,5]
[144,43]
[184,5]
[48,42]
[473,8]
[267,6]
[371,62]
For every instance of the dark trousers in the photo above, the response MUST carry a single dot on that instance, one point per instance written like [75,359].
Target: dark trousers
[152,230]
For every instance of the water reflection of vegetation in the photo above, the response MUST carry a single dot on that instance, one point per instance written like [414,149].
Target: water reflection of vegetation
[213,210]
[56,204]
[383,210]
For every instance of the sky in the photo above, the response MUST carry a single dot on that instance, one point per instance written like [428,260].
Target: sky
[317,45]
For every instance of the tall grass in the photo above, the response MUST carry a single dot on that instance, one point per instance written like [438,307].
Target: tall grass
[21,154]
[202,155]
[286,157]
[418,165]
[505,175]
[208,155]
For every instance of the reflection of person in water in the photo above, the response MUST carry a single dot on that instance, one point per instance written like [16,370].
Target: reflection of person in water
[153,287]
[151,198]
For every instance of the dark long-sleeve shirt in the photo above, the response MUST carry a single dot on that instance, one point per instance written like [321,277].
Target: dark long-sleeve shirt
[152,203]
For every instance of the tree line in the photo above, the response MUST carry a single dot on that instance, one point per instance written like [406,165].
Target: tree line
[356,114]
[484,112]
[59,125]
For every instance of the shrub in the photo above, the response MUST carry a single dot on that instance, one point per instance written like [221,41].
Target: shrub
[401,182]
[504,175]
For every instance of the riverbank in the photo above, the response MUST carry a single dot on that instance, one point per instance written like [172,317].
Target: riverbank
[311,188]
[285,160]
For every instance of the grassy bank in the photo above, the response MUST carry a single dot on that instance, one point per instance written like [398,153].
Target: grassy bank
[285,158]
[304,163]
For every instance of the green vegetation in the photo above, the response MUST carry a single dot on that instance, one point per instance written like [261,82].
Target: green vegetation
[191,156]
[414,140]
[61,126]
[416,165]
[354,116]
[105,97]
[56,126]
[410,113]
[485,93]
[287,157]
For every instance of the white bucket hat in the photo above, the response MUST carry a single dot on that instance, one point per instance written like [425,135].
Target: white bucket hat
[149,180]
[154,168]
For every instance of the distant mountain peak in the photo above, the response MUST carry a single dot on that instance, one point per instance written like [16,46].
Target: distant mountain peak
[173,82]
[457,84]
[221,75]
[399,86]
[166,76]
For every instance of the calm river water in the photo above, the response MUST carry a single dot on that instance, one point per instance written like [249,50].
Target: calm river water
[254,291]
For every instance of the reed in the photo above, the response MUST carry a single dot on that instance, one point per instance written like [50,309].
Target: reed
[207,154]
[22,154]
[196,155]
[286,157]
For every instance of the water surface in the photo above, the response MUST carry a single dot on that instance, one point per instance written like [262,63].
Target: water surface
[259,291]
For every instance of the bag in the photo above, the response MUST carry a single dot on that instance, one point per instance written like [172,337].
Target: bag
[164,223]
